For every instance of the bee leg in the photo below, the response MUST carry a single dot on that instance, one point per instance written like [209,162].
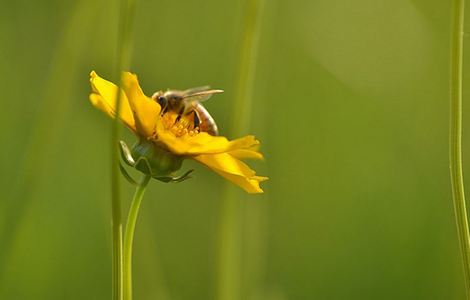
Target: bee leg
[196,119]
[180,113]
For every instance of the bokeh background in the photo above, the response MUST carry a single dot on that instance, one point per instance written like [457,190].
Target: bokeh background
[350,103]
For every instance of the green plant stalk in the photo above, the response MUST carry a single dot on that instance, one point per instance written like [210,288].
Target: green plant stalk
[116,215]
[230,237]
[45,133]
[229,279]
[456,139]
[127,8]
[242,104]
[129,236]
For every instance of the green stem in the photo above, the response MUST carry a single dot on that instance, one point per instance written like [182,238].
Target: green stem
[127,8]
[129,236]
[230,235]
[44,135]
[456,139]
[229,268]
[242,103]
[116,225]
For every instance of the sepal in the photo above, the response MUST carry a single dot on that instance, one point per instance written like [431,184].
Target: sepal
[181,178]
[151,159]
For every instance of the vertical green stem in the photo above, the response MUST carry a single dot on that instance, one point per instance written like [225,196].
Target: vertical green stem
[127,8]
[47,127]
[116,218]
[129,236]
[456,138]
[229,279]
[230,239]
[242,103]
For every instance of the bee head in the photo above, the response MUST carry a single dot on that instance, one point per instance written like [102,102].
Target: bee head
[162,101]
[169,100]
[160,98]
[173,100]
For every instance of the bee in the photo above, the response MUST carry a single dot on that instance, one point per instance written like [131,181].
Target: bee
[187,102]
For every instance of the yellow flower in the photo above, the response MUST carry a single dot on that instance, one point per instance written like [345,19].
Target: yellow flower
[176,136]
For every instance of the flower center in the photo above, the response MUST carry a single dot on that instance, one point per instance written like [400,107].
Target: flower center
[179,125]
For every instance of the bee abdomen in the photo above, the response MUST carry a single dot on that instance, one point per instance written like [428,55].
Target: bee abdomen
[204,120]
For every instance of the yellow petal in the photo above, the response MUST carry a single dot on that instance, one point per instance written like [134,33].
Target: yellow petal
[144,109]
[103,97]
[202,143]
[247,153]
[233,170]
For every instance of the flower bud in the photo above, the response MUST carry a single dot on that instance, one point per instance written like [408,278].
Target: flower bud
[154,160]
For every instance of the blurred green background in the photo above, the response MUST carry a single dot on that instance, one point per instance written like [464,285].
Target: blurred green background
[351,106]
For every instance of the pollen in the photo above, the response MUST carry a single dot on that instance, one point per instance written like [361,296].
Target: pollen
[179,125]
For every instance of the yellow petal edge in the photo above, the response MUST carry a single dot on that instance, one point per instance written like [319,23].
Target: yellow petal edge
[103,97]
[145,110]
[233,170]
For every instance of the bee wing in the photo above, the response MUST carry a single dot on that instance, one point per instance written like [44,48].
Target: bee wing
[196,90]
[196,95]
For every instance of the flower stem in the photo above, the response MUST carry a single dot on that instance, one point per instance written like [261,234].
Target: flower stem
[456,139]
[129,236]
[127,8]
[230,235]
[247,67]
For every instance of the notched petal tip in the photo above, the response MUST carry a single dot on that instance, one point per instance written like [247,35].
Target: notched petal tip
[247,154]
[233,170]
[261,178]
